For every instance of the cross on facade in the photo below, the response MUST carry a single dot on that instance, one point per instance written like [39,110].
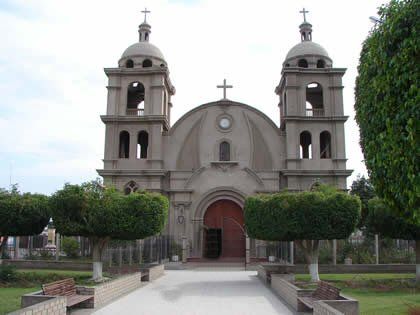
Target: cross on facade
[304,14]
[224,87]
[145,11]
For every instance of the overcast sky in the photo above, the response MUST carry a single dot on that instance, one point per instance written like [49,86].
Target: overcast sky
[52,84]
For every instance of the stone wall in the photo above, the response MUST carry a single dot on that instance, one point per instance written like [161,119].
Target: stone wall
[108,291]
[52,306]
[321,308]
[290,294]
[288,291]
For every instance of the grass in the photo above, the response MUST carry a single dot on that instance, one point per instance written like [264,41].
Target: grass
[378,294]
[10,298]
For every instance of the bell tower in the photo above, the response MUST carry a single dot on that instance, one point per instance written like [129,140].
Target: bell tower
[137,117]
[311,115]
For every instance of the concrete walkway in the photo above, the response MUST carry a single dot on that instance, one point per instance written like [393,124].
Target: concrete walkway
[191,292]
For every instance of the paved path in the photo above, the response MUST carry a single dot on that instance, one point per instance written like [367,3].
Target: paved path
[190,292]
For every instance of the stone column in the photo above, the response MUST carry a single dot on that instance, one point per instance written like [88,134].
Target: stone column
[57,246]
[184,249]
[292,253]
[247,250]
[17,239]
[377,248]
[334,253]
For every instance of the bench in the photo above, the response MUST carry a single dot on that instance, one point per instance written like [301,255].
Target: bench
[65,288]
[324,291]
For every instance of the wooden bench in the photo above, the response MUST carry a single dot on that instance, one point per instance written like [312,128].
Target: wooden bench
[65,288]
[324,291]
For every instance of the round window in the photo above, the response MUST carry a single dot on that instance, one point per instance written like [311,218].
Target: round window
[224,123]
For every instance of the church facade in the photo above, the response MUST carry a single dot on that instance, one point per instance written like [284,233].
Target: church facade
[219,153]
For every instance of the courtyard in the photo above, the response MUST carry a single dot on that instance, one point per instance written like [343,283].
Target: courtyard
[187,292]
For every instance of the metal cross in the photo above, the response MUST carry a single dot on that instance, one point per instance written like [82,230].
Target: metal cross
[304,14]
[145,11]
[224,87]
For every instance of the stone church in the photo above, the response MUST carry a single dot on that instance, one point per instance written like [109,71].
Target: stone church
[219,153]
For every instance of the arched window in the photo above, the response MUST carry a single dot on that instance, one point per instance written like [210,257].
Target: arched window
[130,187]
[320,63]
[224,151]
[129,63]
[303,63]
[147,63]
[305,145]
[142,144]
[124,151]
[325,145]
[315,98]
[135,99]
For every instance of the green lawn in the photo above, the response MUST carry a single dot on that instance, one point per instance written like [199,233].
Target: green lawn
[10,298]
[378,294]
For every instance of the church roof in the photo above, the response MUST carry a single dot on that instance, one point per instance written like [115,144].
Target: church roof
[306,48]
[145,49]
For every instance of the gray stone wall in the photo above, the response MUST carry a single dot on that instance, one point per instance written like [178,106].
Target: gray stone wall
[108,291]
[53,306]
[321,308]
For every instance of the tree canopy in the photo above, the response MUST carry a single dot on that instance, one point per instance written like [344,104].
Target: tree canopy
[364,189]
[380,220]
[23,213]
[304,217]
[102,214]
[301,216]
[91,210]
[388,106]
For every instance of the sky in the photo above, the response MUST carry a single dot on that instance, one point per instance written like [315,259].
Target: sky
[53,88]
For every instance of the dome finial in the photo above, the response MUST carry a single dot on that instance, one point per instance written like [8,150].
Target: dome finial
[144,28]
[145,11]
[305,28]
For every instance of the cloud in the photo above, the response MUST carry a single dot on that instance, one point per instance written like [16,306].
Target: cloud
[53,53]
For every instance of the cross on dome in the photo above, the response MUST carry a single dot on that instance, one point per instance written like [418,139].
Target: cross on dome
[304,14]
[224,87]
[145,11]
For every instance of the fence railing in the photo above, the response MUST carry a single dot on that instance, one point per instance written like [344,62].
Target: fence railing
[135,112]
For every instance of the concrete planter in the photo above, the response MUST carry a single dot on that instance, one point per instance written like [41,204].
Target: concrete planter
[290,293]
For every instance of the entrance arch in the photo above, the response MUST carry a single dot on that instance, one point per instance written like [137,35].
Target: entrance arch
[223,234]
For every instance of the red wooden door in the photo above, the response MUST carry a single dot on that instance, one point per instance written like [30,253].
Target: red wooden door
[227,216]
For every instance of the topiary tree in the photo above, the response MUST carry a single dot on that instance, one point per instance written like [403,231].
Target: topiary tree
[304,217]
[381,220]
[71,247]
[388,106]
[22,214]
[362,187]
[101,213]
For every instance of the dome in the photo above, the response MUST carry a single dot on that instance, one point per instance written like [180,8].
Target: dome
[145,49]
[306,48]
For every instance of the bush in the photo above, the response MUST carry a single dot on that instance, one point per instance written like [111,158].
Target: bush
[8,273]
[70,247]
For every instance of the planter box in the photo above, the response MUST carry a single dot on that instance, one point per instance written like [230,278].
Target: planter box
[152,272]
[36,304]
[290,294]
[266,270]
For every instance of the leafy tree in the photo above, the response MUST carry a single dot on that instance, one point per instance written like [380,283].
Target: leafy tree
[363,188]
[388,106]
[102,214]
[381,220]
[22,214]
[304,217]
[70,247]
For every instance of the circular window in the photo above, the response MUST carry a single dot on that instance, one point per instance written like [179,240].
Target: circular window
[225,123]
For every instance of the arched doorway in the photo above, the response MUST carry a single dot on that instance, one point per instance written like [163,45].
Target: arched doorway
[223,234]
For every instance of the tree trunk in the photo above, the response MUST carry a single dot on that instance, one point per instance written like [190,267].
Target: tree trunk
[98,244]
[3,248]
[418,261]
[310,249]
